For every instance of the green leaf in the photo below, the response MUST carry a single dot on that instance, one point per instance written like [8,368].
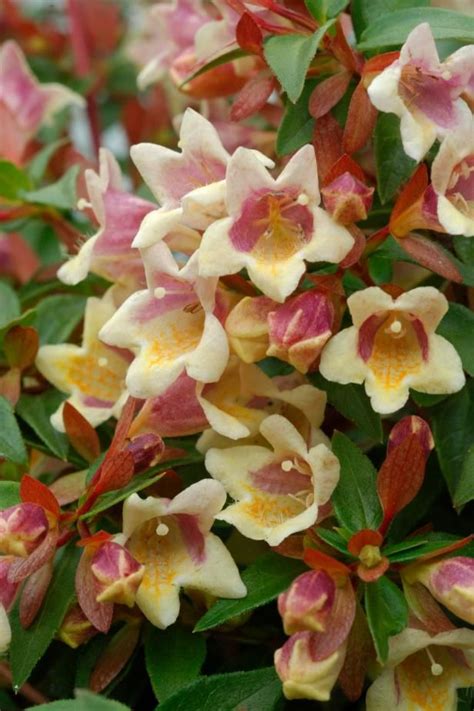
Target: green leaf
[392,30]
[458,328]
[355,498]
[58,316]
[9,494]
[465,486]
[10,305]
[464,248]
[36,411]
[387,613]
[12,181]
[296,127]
[174,658]
[11,441]
[258,690]
[352,402]
[84,701]
[366,11]
[453,433]
[289,57]
[414,548]
[380,268]
[28,646]
[265,579]
[333,539]
[230,56]
[38,164]
[394,167]
[61,194]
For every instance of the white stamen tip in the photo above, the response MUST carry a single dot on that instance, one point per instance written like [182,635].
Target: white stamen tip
[302,199]
[83,204]
[102,362]
[162,529]
[159,292]
[396,327]
[436,669]
[446,74]
[287,465]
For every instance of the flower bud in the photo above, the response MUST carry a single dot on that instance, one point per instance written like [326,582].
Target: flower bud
[118,574]
[247,327]
[451,582]
[305,675]
[76,629]
[299,329]
[22,528]
[306,604]
[347,198]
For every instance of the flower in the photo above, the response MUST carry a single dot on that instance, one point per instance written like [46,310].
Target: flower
[25,104]
[424,92]
[92,374]
[22,528]
[277,492]
[8,592]
[347,198]
[452,176]
[392,347]
[172,539]
[273,225]
[450,581]
[306,604]
[424,671]
[171,327]
[109,252]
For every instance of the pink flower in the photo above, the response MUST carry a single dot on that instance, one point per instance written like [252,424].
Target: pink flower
[347,198]
[307,603]
[451,582]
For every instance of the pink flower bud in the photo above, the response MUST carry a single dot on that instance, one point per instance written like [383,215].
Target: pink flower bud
[7,588]
[299,329]
[22,529]
[306,604]
[347,198]
[146,450]
[451,582]
[305,673]
[117,573]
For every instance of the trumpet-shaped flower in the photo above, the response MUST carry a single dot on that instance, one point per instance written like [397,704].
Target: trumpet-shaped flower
[236,405]
[171,327]
[172,540]
[25,104]
[452,176]
[423,671]
[273,225]
[277,491]
[109,252]
[93,374]
[450,581]
[424,92]
[392,346]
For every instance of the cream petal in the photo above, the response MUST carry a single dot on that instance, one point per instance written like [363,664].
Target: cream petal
[386,400]
[220,420]
[208,361]
[204,205]
[156,226]
[231,466]
[326,468]
[160,605]
[443,373]
[453,220]
[277,279]
[425,302]
[217,255]
[331,242]
[301,171]
[5,631]
[218,575]
[246,175]
[418,134]
[283,436]
[383,90]
[340,361]
[366,302]
[203,499]
[77,267]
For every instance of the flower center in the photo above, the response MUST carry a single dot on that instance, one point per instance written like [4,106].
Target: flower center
[370,556]
[461,187]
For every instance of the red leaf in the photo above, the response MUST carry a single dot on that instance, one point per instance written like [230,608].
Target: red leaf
[341,45]
[360,121]
[115,472]
[456,545]
[81,434]
[345,164]
[87,589]
[360,652]
[123,426]
[21,346]
[33,593]
[249,35]
[36,492]
[413,190]
[327,94]
[411,425]
[400,477]
[431,256]
[95,540]
[368,575]
[380,62]
[252,97]
[327,141]
[357,250]
[316,559]
[114,657]
[366,537]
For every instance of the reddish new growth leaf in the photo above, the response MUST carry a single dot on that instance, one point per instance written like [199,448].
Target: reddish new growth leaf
[430,255]
[328,93]
[115,472]
[87,590]
[115,656]
[33,593]
[249,35]
[35,492]
[360,122]
[377,64]
[412,191]
[81,434]
[365,545]
[21,346]
[319,560]
[327,141]
[253,96]
[341,45]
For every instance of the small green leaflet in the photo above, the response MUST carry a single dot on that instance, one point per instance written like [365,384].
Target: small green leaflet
[465,487]
[265,579]
[10,304]
[38,164]
[296,128]
[387,613]
[258,690]
[28,646]
[61,194]
[9,494]
[458,328]
[58,316]
[12,181]
[394,167]
[36,411]
[11,441]
[174,658]
[392,30]
[355,498]
[364,12]
[289,57]
[84,701]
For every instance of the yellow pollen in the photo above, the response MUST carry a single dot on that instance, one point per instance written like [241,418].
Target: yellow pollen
[370,556]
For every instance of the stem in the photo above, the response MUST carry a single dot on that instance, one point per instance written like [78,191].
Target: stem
[27,690]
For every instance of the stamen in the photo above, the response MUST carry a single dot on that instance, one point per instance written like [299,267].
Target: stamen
[436,669]
[287,465]
[446,75]
[302,199]
[162,529]
[102,362]
[396,327]
[159,292]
